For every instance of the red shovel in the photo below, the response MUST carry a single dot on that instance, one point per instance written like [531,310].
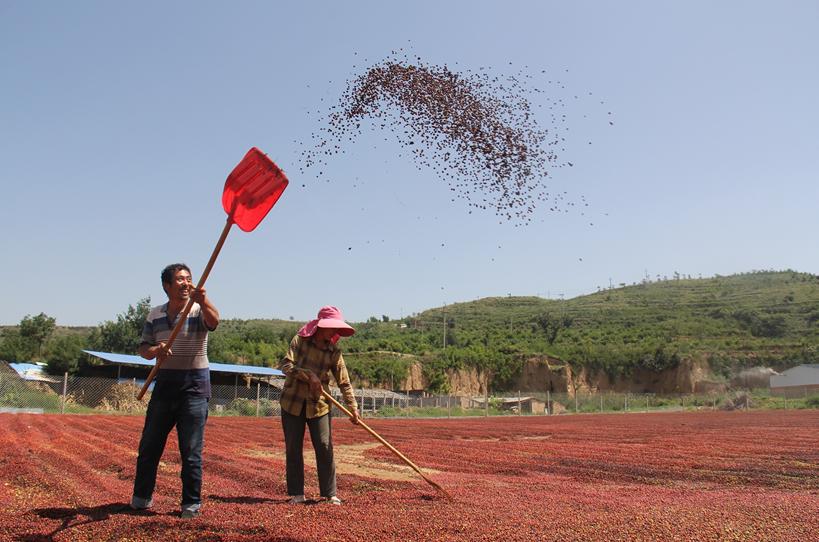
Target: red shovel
[251,190]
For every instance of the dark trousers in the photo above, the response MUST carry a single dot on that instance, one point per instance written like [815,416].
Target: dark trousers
[321,437]
[188,414]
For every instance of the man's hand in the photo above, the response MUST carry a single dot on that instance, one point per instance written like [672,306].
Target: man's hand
[198,295]
[161,352]
[355,418]
[209,312]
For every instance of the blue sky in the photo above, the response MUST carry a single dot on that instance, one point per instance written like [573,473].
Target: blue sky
[120,122]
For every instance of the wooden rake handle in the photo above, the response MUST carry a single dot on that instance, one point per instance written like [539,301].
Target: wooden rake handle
[183,316]
[389,446]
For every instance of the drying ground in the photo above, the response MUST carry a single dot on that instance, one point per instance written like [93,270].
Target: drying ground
[675,476]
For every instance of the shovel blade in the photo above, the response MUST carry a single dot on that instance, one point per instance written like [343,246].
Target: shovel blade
[252,189]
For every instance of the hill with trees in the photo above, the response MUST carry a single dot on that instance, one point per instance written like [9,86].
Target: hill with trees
[768,318]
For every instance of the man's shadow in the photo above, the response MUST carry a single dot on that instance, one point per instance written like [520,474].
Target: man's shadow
[81,515]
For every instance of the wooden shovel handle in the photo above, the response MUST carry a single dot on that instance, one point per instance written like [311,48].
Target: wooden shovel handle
[183,316]
[385,443]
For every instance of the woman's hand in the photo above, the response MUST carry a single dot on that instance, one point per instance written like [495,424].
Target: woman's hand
[315,386]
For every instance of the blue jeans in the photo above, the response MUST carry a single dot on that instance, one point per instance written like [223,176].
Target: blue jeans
[188,414]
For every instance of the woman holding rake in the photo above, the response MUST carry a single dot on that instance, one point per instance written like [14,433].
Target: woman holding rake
[312,357]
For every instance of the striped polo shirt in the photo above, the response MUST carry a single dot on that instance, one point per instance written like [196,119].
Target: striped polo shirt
[186,371]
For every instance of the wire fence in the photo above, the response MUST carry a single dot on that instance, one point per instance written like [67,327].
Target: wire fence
[72,394]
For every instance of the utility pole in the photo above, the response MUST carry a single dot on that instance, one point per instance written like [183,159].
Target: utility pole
[443,317]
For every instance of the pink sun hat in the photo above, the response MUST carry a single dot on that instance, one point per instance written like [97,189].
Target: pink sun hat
[328,317]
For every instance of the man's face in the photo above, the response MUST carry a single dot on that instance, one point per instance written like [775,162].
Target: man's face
[180,286]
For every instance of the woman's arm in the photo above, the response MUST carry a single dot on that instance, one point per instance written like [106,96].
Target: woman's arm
[343,381]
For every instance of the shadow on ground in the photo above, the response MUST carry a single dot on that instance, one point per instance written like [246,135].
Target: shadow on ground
[80,515]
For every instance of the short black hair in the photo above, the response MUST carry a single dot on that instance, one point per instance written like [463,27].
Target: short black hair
[170,271]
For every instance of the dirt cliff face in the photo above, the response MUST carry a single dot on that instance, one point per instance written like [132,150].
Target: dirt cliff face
[681,379]
[543,373]
[468,381]
[415,380]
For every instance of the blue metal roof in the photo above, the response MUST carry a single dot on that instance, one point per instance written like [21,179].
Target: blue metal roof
[125,359]
[23,366]
[32,371]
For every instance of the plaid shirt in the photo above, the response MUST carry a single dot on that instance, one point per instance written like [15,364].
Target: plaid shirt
[304,356]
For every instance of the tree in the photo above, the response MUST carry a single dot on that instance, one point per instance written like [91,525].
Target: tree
[37,329]
[551,325]
[124,334]
[64,355]
[14,347]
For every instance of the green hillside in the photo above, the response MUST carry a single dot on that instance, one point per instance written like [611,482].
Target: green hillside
[768,318]
[759,318]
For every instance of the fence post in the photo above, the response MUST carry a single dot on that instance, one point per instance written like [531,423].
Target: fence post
[486,402]
[448,406]
[601,403]
[362,401]
[65,389]
[548,402]
[258,388]
[520,410]
[625,402]
[575,401]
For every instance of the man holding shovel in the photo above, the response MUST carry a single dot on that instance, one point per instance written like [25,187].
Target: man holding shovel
[312,357]
[181,390]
